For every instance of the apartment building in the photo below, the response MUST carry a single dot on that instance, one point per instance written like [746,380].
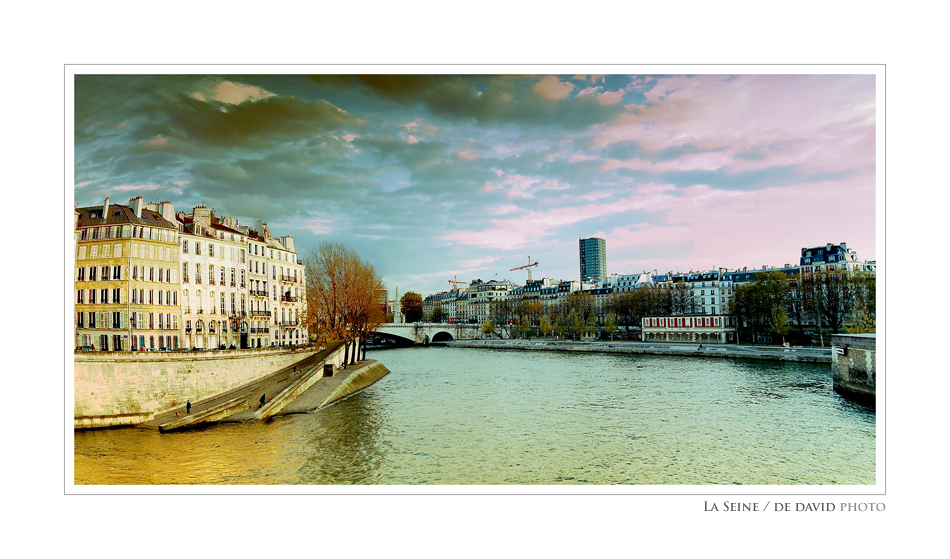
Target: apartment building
[214,282]
[127,289]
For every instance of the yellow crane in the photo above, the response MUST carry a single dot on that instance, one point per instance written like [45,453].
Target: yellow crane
[526,266]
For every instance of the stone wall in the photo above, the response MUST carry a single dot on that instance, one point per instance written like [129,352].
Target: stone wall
[122,384]
[853,364]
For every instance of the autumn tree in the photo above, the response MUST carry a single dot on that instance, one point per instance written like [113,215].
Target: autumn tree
[411,306]
[575,314]
[342,302]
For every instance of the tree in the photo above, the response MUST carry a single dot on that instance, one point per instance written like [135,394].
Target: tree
[488,327]
[438,315]
[546,326]
[610,324]
[341,296]
[831,296]
[411,306]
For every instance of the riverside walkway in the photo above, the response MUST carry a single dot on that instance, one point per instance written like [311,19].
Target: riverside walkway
[241,404]
[722,351]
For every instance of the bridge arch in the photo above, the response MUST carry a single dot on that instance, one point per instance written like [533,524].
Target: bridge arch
[442,336]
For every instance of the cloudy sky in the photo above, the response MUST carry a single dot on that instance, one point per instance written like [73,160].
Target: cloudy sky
[441,176]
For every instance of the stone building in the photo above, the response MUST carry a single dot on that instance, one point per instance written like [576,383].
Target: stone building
[255,293]
[214,282]
[127,289]
[688,329]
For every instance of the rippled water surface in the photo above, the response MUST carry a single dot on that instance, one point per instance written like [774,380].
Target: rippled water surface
[452,416]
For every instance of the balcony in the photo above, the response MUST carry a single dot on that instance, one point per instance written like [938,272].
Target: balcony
[288,279]
[260,313]
[289,299]
[288,323]
[233,284]
[185,279]
[188,330]
[187,310]
[201,311]
[198,279]
[210,281]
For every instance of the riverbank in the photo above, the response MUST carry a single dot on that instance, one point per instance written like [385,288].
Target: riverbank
[720,351]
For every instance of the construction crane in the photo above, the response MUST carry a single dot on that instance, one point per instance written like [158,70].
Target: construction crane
[528,266]
[455,281]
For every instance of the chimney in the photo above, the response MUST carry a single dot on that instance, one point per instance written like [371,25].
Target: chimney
[136,206]
[844,246]
[167,209]
[105,210]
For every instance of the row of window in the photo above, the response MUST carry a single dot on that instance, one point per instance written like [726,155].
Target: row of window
[683,322]
[237,255]
[135,321]
[127,231]
[139,273]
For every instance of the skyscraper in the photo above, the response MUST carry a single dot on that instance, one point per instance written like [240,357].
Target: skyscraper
[593,256]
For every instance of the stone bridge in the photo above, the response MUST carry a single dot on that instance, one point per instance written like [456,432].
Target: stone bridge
[428,332]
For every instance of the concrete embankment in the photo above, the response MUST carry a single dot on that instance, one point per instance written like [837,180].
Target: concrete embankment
[719,351]
[127,388]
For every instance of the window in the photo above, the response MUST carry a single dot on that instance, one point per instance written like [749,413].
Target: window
[79,320]
[81,274]
[184,246]
[210,249]
[116,320]
[80,297]
[197,247]
[116,297]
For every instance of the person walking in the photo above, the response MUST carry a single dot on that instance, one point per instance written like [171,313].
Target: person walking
[188,406]
[263,396]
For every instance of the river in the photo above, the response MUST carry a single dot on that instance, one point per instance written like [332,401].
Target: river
[454,416]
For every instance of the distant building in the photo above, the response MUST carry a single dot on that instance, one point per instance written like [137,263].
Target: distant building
[833,256]
[593,258]
[688,329]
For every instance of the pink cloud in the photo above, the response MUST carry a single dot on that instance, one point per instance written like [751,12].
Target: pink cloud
[551,88]
[819,120]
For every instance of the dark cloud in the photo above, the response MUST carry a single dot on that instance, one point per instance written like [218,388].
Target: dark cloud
[484,99]
[254,124]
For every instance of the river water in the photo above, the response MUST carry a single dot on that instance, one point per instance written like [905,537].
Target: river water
[454,416]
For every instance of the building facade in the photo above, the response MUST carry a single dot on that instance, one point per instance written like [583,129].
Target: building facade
[150,279]
[688,329]
[593,258]
[127,285]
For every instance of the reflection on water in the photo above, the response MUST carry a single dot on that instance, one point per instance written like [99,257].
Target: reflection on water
[453,416]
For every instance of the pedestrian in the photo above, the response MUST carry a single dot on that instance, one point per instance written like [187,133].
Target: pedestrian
[700,346]
[188,406]
[262,401]
[295,368]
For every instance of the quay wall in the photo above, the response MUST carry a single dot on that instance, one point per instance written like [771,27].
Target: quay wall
[124,388]
[798,355]
[854,365]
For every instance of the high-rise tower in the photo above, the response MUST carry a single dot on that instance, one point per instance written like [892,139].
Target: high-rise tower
[593,256]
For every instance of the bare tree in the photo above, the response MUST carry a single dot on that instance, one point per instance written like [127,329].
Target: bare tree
[342,301]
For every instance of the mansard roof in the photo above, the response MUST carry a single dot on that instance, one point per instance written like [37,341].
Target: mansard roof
[121,215]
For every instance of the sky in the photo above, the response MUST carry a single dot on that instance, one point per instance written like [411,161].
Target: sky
[432,178]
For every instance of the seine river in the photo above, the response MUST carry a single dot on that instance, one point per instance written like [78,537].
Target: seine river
[453,416]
